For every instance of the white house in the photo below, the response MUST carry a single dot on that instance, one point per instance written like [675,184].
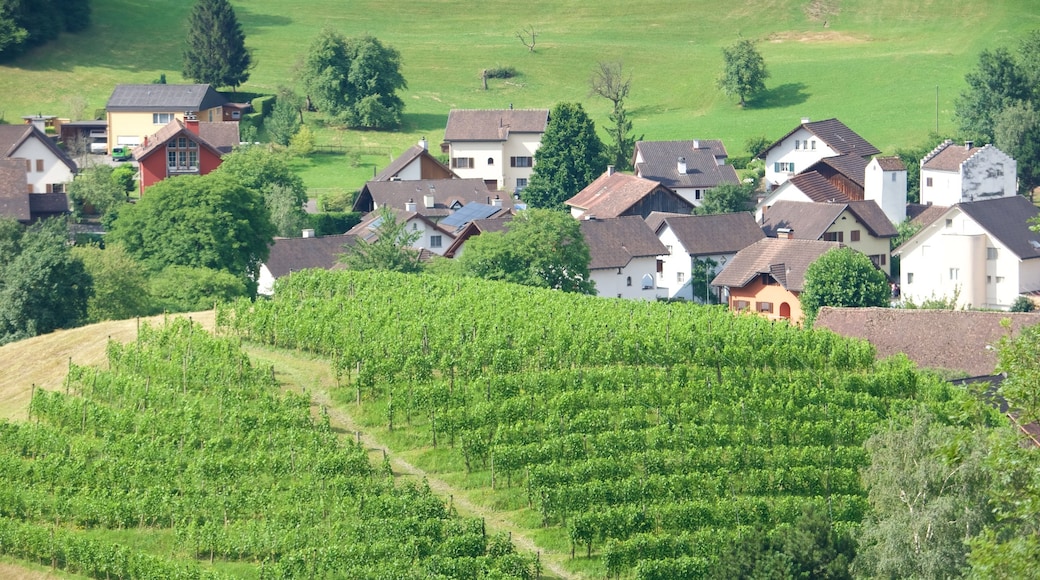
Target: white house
[414,164]
[807,144]
[290,255]
[884,183]
[495,145]
[699,241]
[623,257]
[431,238]
[957,174]
[47,168]
[433,198]
[983,253]
[689,168]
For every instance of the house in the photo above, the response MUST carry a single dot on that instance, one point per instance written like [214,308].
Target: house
[187,147]
[415,163]
[861,225]
[84,136]
[137,111]
[494,145]
[696,242]
[472,211]
[475,228]
[290,255]
[807,144]
[623,254]
[953,174]
[432,240]
[47,169]
[689,168]
[885,184]
[616,194]
[433,198]
[983,253]
[768,276]
[17,203]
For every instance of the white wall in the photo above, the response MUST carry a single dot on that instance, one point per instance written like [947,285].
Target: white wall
[629,282]
[988,174]
[784,192]
[802,157]
[887,189]
[412,171]
[54,171]
[425,241]
[518,145]
[480,151]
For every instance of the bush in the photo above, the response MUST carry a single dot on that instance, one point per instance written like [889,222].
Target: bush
[1023,304]
[264,105]
[740,162]
[334,222]
[337,201]
[188,289]
[501,72]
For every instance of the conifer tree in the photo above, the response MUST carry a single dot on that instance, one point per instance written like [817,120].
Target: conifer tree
[216,52]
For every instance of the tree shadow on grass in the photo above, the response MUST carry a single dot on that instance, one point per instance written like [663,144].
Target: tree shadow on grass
[784,95]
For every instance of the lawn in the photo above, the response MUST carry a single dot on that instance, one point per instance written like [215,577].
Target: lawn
[890,69]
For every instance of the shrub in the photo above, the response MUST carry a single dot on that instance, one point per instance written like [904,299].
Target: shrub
[501,72]
[337,201]
[1023,304]
[264,105]
[334,222]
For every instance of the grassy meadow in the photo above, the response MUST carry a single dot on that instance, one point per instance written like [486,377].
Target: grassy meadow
[890,69]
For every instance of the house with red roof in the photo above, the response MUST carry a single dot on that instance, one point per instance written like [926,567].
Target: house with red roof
[807,144]
[186,147]
[616,194]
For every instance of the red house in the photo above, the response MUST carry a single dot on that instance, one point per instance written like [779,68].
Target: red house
[184,148]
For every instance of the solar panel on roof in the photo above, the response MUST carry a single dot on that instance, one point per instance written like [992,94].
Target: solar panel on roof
[469,212]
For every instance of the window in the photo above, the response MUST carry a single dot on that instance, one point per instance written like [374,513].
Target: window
[955,273]
[521,183]
[893,177]
[628,281]
[797,144]
[928,182]
[679,277]
[768,280]
[878,259]
[834,237]
[764,307]
[491,161]
[991,253]
[182,154]
[236,115]
[462,163]
[435,241]
[1000,279]
[56,187]
[814,144]
[910,278]
[854,236]
[949,223]
[28,166]
[741,305]
[989,279]
[39,165]
[782,167]
[696,194]
[521,161]
[162,118]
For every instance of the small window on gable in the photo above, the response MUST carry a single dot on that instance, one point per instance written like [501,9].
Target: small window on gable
[991,253]
[928,182]
[628,281]
[797,144]
[949,223]
[909,277]
[893,177]
[491,161]
[814,144]
[39,165]
[854,236]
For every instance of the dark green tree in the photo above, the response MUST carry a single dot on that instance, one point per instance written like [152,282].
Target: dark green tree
[96,190]
[726,198]
[266,172]
[744,71]
[842,277]
[996,83]
[354,80]
[1017,133]
[28,23]
[191,289]
[390,250]
[286,118]
[209,221]
[610,82]
[43,287]
[541,248]
[569,158]
[120,283]
[216,52]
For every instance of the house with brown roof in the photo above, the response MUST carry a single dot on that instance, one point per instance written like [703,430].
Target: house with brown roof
[807,144]
[433,198]
[415,163]
[290,255]
[983,253]
[953,173]
[861,225]
[689,168]
[187,147]
[494,145]
[623,257]
[137,111]
[476,228]
[432,239]
[616,194]
[768,276]
[47,168]
[699,244]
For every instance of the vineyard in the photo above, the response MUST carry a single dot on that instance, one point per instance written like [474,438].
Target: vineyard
[197,456]
[645,437]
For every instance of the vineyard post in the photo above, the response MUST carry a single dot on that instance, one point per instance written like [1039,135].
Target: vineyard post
[32,396]
[68,377]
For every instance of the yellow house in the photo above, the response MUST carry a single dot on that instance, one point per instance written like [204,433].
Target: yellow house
[136,111]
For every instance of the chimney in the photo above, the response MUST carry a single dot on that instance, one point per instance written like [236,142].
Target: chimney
[696,143]
[145,144]
[428,201]
[422,143]
[409,205]
[680,166]
[308,233]
[805,120]
[968,145]
[610,170]
[784,233]
[497,202]
[191,121]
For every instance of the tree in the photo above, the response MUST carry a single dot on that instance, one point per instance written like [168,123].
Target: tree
[96,190]
[209,221]
[43,287]
[267,173]
[190,289]
[542,248]
[120,284]
[284,120]
[354,80]
[1017,133]
[569,158]
[996,83]
[842,277]
[28,23]
[216,52]
[726,198]
[390,250]
[610,82]
[744,71]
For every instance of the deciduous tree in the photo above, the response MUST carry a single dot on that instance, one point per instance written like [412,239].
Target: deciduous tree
[726,198]
[391,249]
[994,84]
[610,82]
[842,277]
[744,71]
[96,190]
[120,283]
[267,173]
[216,53]
[569,158]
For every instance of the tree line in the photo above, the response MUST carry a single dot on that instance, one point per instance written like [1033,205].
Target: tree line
[26,24]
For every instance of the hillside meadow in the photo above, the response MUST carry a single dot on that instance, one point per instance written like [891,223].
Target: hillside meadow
[890,69]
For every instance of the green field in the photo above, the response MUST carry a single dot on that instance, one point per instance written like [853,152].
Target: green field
[876,64]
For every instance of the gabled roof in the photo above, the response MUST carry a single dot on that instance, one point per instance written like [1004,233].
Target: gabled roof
[366,229]
[173,129]
[614,242]
[891,163]
[809,220]
[294,254]
[852,167]
[924,214]
[704,163]
[1007,220]
[612,194]
[448,194]
[471,211]
[836,135]
[817,187]
[785,260]
[705,235]
[948,156]
[164,98]
[223,135]
[405,159]
[14,190]
[656,218]
[475,228]
[13,136]
[493,124]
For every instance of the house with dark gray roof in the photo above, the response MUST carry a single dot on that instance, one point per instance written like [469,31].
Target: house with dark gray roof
[415,163]
[807,144]
[47,168]
[496,146]
[476,228]
[861,225]
[980,254]
[616,194]
[137,111]
[699,246]
[953,173]
[433,198]
[689,168]
[290,255]
[623,257]
[768,276]
[430,240]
